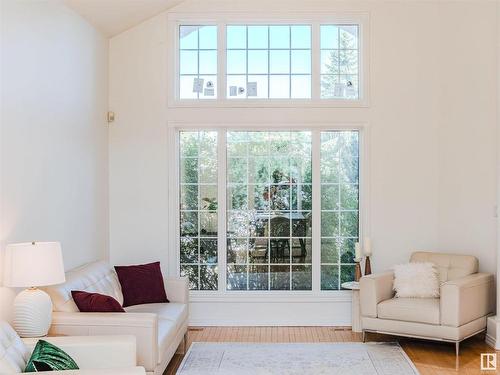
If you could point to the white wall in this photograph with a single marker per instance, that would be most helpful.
(498, 157)
(138, 180)
(432, 124)
(468, 132)
(54, 159)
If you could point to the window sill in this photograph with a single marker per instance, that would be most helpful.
(268, 103)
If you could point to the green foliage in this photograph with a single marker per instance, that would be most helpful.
(301, 277)
(340, 200)
(341, 61)
(329, 277)
(208, 277)
(269, 174)
(236, 277)
(346, 273)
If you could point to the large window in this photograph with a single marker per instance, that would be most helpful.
(339, 207)
(198, 209)
(269, 211)
(267, 242)
(308, 61)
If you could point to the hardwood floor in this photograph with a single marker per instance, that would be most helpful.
(431, 358)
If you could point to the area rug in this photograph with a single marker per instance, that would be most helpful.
(296, 359)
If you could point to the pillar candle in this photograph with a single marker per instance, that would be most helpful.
(368, 247)
(357, 252)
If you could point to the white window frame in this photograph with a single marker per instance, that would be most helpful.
(314, 19)
(223, 295)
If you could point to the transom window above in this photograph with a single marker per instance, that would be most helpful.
(198, 62)
(268, 61)
(339, 61)
(312, 61)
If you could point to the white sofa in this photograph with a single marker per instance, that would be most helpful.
(104, 355)
(158, 327)
(466, 299)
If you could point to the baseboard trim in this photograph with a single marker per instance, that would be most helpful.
(264, 323)
(490, 340)
(270, 314)
(492, 330)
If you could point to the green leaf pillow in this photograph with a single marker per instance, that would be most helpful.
(48, 357)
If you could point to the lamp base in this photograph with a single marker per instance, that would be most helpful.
(32, 313)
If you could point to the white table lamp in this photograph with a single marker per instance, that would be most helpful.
(30, 265)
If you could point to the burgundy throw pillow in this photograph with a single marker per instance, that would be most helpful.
(95, 302)
(141, 284)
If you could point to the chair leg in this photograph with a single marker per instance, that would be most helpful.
(457, 348)
(184, 343)
(364, 336)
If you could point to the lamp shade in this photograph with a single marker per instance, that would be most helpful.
(33, 264)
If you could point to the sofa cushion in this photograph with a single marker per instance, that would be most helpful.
(95, 302)
(167, 330)
(450, 266)
(13, 352)
(176, 312)
(141, 284)
(96, 277)
(419, 310)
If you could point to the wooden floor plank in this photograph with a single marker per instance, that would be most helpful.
(430, 358)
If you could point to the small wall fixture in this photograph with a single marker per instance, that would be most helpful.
(111, 116)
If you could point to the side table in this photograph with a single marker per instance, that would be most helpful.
(356, 314)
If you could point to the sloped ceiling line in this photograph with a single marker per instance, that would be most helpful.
(112, 17)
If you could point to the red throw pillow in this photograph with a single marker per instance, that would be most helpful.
(95, 302)
(141, 284)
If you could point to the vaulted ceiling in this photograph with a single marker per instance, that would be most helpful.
(114, 16)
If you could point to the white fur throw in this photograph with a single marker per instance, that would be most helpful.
(420, 280)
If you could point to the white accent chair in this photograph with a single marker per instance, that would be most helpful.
(158, 327)
(466, 299)
(104, 355)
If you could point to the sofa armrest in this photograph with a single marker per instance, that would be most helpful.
(373, 290)
(177, 289)
(144, 326)
(95, 352)
(466, 299)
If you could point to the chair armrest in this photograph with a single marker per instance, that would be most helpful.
(466, 299)
(144, 326)
(177, 289)
(374, 289)
(117, 371)
(95, 352)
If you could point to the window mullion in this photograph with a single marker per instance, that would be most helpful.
(176, 201)
(316, 62)
(316, 211)
(221, 62)
(198, 74)
(246, 63)
(290, 62)
(221, 209)
(198, 193)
